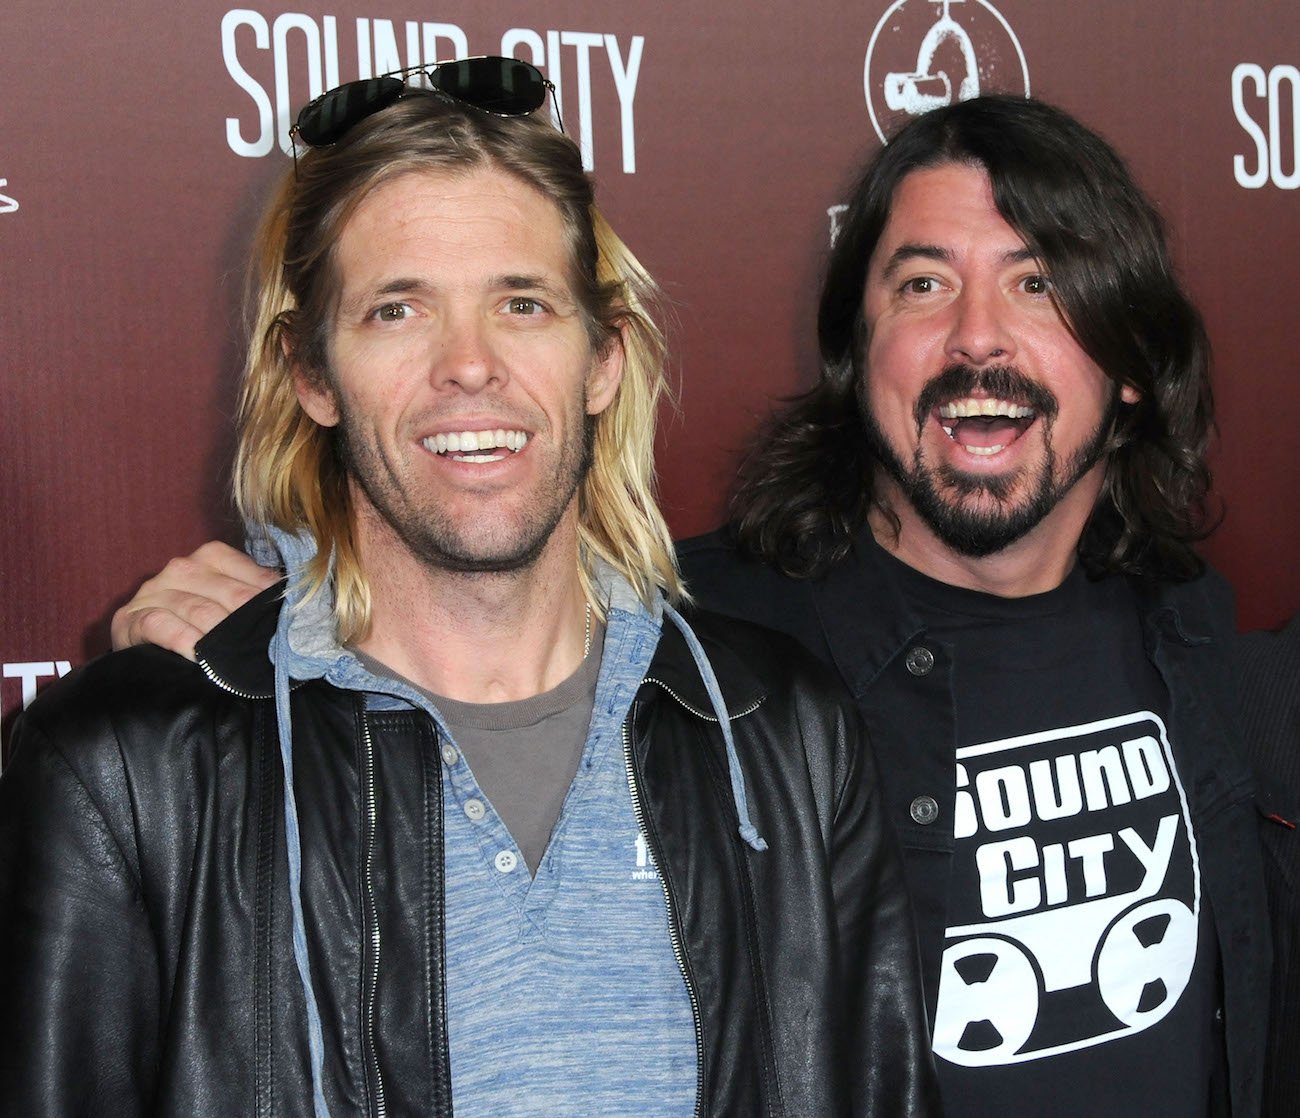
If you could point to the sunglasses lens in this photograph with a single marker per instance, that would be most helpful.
(497, 85)
(327, 118)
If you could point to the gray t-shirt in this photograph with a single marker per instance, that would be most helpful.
(524, 753)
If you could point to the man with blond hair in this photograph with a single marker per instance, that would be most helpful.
(464, 809)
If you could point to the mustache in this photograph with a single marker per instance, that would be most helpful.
(1001, 382)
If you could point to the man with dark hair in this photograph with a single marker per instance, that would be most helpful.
(982, 516)
(465, 811)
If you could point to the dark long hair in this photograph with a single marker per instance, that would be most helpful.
(806, 490)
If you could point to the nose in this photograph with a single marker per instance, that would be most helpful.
(980, 331)
(466, 358)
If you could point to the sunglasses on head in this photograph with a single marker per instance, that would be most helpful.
(501, 86)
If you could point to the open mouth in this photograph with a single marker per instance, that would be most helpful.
(984, 426)
(477, 446)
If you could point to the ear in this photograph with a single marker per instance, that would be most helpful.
(605, 374)
(314, 393)
(1128, 394)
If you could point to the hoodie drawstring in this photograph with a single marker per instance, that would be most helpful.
(315, 1037)
(748, 831)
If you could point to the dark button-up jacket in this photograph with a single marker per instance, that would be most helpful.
(856, 619)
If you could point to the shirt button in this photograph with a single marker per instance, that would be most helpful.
(449, 754)
(475, 809)
(506, 861)
(920, 660)
(925, 810)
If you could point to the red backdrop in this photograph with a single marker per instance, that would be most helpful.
(138, 140)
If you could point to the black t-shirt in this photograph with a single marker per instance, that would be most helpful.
(1079, 972)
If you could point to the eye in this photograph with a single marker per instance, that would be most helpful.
(522, 304)
(919, 285)
(1036, 285)
(391, 312)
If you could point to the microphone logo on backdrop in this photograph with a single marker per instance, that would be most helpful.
(924, 54)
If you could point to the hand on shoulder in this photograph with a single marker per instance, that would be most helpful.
(188, 597)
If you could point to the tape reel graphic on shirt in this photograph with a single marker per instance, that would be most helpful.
(988, 1002)
(1145, 961)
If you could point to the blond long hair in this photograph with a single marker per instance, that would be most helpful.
(288, 470)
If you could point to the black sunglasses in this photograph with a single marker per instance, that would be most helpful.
(501, 86)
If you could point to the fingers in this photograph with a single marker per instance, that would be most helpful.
(189, 596)
(155, 625)
(217, 559)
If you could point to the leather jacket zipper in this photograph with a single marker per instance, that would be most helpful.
(674, 925)
(211, 672)
(370, 925)
(706, 715)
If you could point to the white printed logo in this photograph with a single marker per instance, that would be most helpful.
(646, 870)
(925, 54)
(7, 204)
(1087, 892)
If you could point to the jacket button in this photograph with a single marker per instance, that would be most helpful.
(920, 660)
(925, 810)
(449, 754)
(506, 861)
(475, 809)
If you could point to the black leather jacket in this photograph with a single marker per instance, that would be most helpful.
(145, 961)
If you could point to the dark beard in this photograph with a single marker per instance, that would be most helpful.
(940, 495)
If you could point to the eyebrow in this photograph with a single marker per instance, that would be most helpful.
(406, 285)
(913, 250)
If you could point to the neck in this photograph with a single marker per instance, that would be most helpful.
(1037, 562)
(482, 637)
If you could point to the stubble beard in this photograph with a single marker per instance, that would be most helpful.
(977, 515)
(434, 537)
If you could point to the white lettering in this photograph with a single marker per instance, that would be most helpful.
(999, 895)
(265, 137)
(29, 672)
(7, 204)
(1277, 143)
(1004, 797)
(964, 823)
(1103, 778)
(584, 41)
(625, 82)
(1047, 802)
(1144, 761)
(1274, 146)
(836, 214)
(434, 33)
(386, 56)
(1091, 852)
(1155, 858)
(1060, 787)
(315, 45)
(1054, 880)
(284, 102)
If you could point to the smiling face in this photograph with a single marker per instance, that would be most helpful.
(988, 417)
(461, 373)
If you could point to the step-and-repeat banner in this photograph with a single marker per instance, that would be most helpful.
(138, 141)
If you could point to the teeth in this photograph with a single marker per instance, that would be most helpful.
(983, 449)
(466, 442)
(964, 409)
